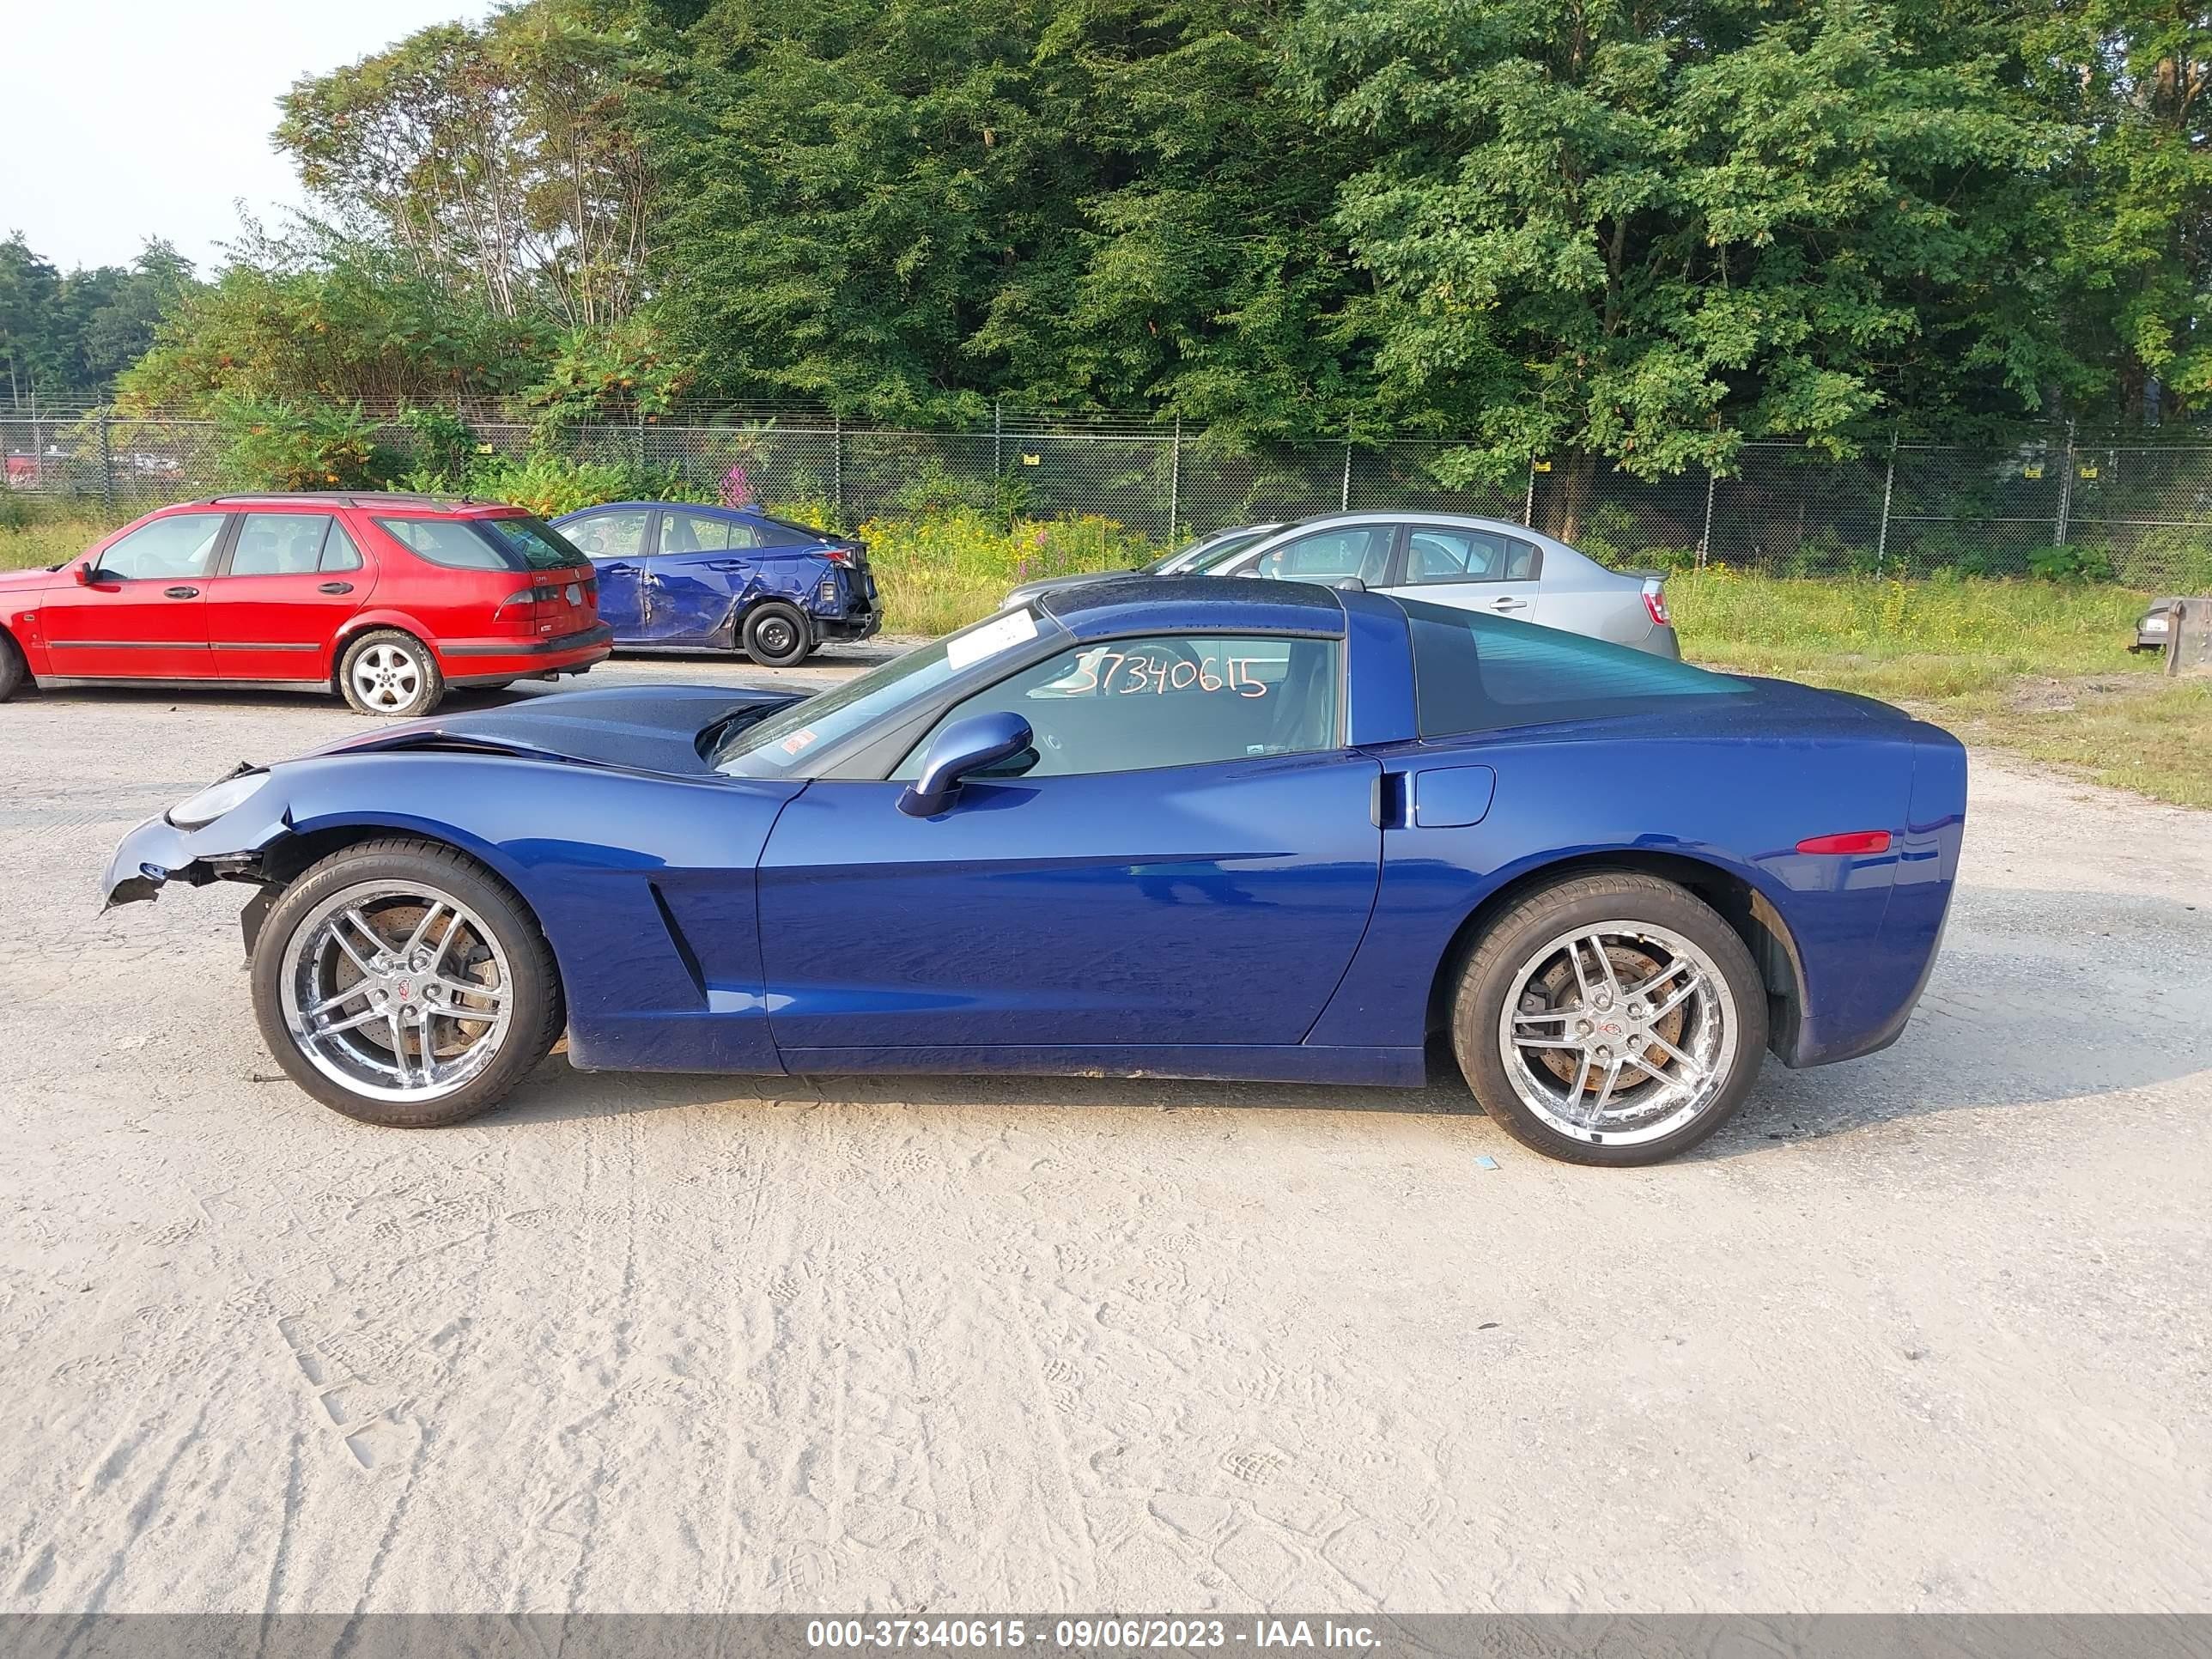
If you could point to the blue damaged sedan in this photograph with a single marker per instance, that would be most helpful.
(678, 577)
(1233, 828)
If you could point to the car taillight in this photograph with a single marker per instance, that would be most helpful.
(1655, 601)
(847, 557)
(526, 605)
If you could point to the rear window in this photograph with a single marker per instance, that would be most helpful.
(1477, 673)
(485, 543)
(784, 532)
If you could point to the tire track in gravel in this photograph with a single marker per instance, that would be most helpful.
(624, 1321)
(775, 1167)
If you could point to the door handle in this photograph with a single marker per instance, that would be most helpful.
(181, 593)
(335, 587)
(1508, 604)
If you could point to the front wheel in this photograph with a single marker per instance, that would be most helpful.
(1614, 1018)
(400, 982)
(776, 635)
(13, 671)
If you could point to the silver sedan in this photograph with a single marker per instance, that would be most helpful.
(1472, 564)
(1184, 561)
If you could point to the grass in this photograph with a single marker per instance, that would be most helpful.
(2039, 668)
(43, 539)
(940, 573)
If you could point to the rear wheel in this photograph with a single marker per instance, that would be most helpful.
(400, 982)
(1614, 1018)
(776, 635)
(12, 672)
(389, 672)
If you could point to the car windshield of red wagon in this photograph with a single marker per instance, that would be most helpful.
(520, 543)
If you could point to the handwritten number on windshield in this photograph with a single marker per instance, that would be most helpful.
(1115, 673)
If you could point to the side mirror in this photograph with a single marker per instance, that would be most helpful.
(961, 748)
(1351, 585)
(85, 573)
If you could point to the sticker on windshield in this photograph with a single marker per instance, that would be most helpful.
(1002, 634)
(797, 741)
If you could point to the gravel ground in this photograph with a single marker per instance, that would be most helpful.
(1926, 1331)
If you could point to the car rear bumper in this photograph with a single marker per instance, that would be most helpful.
(854, 625)
(510, 659)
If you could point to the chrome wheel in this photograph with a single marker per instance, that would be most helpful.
(1619, 1033)
(395, 991)
(387, 678)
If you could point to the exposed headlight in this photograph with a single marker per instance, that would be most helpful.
(212, 802)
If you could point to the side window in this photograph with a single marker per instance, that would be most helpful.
(609, 535)
(697, 533)
(279, 544)
(1478, 674)
(180, 545)
(446, 542)
(339, 552)
(1166, 700)
(1437, 555)
(1330, 556)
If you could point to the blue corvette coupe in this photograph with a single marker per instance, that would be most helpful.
(674, 575)
(1222, 829)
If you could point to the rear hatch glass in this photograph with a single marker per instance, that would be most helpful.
(519, 543)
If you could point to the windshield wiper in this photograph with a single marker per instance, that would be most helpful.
(716, 734)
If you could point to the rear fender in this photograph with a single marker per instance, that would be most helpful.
(368, 620)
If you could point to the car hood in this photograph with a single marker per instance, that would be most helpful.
(15, 581)
(637, 727)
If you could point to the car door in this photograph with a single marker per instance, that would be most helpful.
(280, 595)
(618, 541)
(701, 570)
(142, 615)
(1472, 569)
(1188, 856)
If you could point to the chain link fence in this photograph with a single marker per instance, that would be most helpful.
(2138, 513)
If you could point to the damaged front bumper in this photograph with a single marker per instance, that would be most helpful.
(158, 852)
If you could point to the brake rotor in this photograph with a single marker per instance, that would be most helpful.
(1561, 991)
(472, 960)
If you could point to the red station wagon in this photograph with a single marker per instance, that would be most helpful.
(387, 599)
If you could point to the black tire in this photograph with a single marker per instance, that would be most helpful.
(539, 1013)
(12, 670)
(776, 635)
(390, 674)
(1517, 941)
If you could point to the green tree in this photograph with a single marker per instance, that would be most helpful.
(30, 343)
(1649, 232)
(2133, 231)
(63, 339)
(314, 317)
(904, 209)
(498, 158)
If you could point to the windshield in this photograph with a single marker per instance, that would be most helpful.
(1202, 551)
(486, 544)
(1209, 561)
(772, 747)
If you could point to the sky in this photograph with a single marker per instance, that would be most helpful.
(134, 119)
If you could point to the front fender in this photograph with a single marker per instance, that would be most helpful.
(641, 883)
